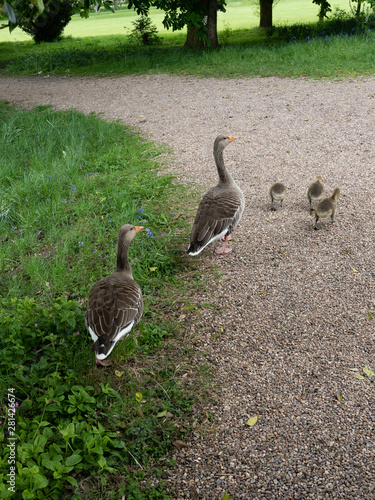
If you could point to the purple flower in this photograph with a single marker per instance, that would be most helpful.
(141, 211)
(80, 243)
(150, 234)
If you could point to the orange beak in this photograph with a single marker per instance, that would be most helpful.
(138, 228)
(232, 138)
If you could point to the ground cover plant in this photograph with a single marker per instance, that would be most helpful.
(68, 182)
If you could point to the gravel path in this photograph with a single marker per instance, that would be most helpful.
(290, 326)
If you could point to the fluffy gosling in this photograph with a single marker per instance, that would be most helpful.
(315, 191)
(326, 208)
(277, 193)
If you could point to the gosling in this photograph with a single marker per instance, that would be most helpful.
(277, 193)
(326, 208)
(315, 191)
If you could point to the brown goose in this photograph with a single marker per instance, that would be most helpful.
(277, 193)
(115, 303)
(326, 208)
(315, 191)
(220, 209)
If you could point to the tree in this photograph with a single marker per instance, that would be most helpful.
(199, 16)
(325, 7)
(49, 25)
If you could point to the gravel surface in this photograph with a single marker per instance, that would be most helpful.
(290, 327)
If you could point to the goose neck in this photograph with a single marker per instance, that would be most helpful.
(224, 175)
(123, 265)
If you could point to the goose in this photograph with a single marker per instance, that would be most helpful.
(326, 208)
(220, 209)
(315, 191)
(277, 193)
(115, 303)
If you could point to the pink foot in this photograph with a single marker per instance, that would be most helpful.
(222, 250)
(228, 238)
(103, 363)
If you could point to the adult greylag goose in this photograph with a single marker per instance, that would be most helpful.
(115, 303)
(277, 193)
(326, 208)
(315, 191)
(220, 209)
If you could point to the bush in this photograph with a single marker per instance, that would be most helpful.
(49, 26)
(340, 23)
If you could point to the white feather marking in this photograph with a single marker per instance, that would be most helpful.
(214, 238)
(119, 336)
(93, 334)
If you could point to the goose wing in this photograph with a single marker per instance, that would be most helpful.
(218, 214)
(114, 307)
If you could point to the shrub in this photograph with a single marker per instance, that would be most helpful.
(144, 32)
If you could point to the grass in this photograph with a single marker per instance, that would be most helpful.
(330, 49)
(68, 181)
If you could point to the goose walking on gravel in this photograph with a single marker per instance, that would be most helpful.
(326, 208)
(315, 191)
(115, 303)
(220, 209)
(277, 193)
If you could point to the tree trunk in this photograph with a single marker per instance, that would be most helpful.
(115, 4)
(212, 24)
(265, 13)
(210, 20)
(359, 3)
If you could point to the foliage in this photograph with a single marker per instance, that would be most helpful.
(66, 429)
(144, 32)
(29, 12)
(49, 25)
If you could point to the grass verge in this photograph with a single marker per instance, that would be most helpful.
(68, 181)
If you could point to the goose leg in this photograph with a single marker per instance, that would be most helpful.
(224, 249)
(103, 363)
(229, 237)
